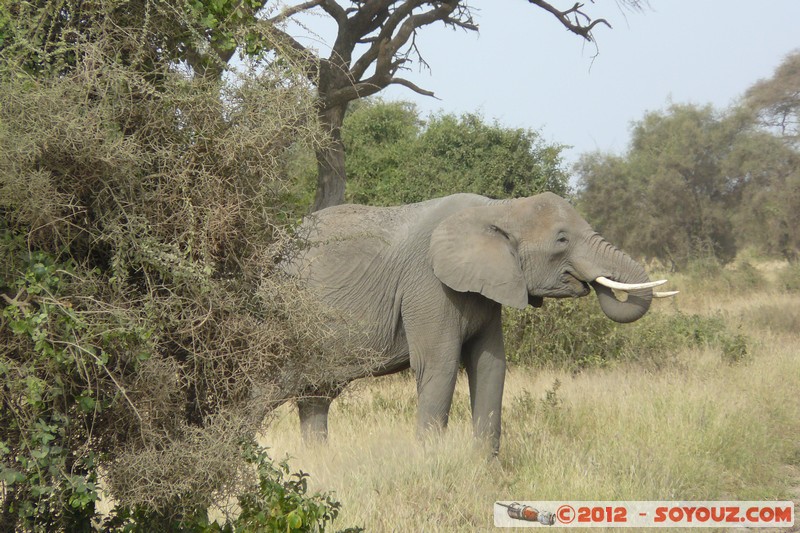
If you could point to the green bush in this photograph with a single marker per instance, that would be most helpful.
(394, 157)
(55, 393)
(280, 502)
(574, 333)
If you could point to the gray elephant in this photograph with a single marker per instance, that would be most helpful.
(427, 282)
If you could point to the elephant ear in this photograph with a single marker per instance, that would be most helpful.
(470, 253)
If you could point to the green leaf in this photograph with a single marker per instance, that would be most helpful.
(294, 520)
(209, 21)
(86, 403)
(40, 453)
(9, 476)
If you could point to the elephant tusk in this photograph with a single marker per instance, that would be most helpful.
(666, 294)
(611, 284)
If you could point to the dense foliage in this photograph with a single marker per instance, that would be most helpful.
(143, 331)
(698, 183)
(394, 156)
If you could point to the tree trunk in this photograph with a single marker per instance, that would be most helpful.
(330, 160)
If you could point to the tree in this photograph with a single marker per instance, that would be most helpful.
(381, 139)
(770, 213)
(670, 196)
(608, 182)
(375, 40)
(775, 102)
(697, 182)
(465, 154)
(396, 157)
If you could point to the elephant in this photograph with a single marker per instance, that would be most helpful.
(427, 281)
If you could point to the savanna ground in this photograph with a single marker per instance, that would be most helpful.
(704, 426)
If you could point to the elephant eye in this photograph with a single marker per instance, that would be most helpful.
(562, 239)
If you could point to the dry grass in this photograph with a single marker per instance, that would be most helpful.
(702, 429)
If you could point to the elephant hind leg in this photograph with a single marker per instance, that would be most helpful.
(313, 412)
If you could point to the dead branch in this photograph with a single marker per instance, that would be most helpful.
(577, 27)
(412, 86)
(289, 12)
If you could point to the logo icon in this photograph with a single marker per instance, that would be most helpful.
(517, 511)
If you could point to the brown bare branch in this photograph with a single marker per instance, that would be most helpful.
(467, 25)
(386, 46)
(308, 60)
(412, 86)
(389, 50)
(369, 16)
(441, 12)
(371, 86)
(576, 27)
(388, 26)
(294, 10)
(334, 10)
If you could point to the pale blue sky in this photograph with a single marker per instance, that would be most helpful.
(525, 70)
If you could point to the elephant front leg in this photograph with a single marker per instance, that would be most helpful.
(435, 395)
(485, 362)
(435, 362)
(313, 412)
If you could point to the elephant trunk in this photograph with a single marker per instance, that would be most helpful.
(633, 308)
(616, 265)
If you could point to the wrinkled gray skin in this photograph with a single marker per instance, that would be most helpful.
(427, 281)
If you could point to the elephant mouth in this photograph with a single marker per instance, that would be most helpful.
(567, 286)
(575, 287)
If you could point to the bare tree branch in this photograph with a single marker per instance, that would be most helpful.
(388, 27)
(387, 31)
(353, 92)
(584, 30)
(308, 59)
(441, 12)
(370, 16)
(413, 48)
(412, 86)
(467, 25)
(334, 10)
(386, 47)
(371, 86)
(294, 10)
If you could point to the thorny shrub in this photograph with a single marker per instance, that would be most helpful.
(276, 499)
(144, 330)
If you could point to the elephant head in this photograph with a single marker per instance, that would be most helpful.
(517, 252)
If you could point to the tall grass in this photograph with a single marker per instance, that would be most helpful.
(699, 428)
